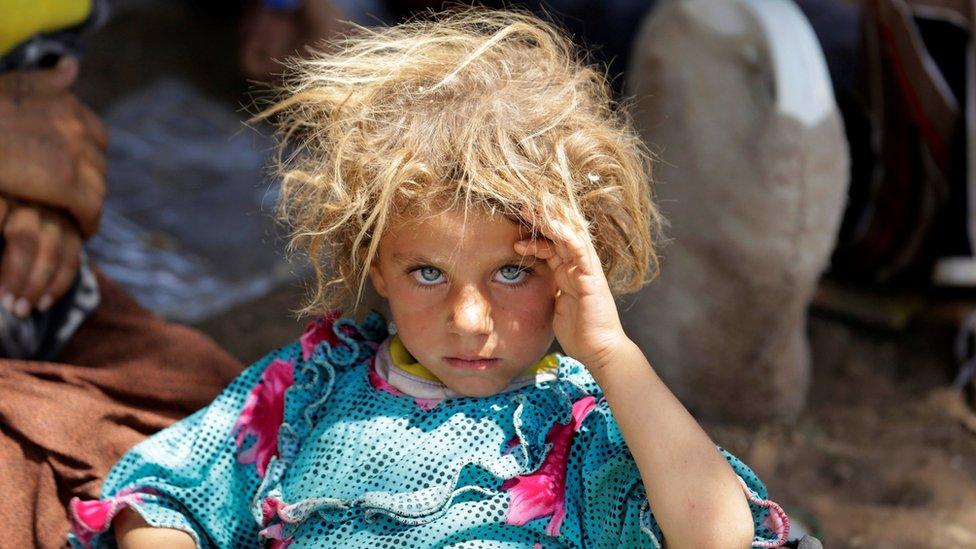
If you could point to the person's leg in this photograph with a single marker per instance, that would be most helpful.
(25, 482)
(137, 358)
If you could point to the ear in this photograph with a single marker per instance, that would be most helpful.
(376, 277)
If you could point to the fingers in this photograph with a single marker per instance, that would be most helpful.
(79, 190)
(47, 257)
(94, 157)
(66, 272)
(41, 258)
(20, 235)
(94, 127)
(543, 248)
(44, 175)
(62, 76)
(561, 244)
(578, 242)
(86, 208)
(24, 84)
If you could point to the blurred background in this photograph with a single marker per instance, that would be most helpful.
(815, 160)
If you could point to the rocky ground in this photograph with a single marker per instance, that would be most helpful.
(885, 455)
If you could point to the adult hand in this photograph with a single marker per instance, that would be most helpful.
(41, 256)
(52, 147)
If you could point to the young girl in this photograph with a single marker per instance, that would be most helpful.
(475, 171)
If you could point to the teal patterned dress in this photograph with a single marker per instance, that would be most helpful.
(309, 448)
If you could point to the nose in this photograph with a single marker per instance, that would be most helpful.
(470, 312)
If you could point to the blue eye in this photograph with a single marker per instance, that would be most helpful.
(427, 276)
(512, 274)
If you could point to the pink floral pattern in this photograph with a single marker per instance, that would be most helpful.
(276, 533)
(543, 493)
(89, 518)
(271, 509)
(319, 330)
(262, 415)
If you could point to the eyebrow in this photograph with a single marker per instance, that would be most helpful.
(412, 258)
(415, 259)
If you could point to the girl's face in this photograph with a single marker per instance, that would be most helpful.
(466, 305)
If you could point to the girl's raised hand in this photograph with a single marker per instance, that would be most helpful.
(585, 321)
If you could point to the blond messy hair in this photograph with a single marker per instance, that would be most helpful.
(472, 109)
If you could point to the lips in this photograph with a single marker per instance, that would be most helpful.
(472, 363)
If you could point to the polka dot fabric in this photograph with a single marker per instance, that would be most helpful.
(358, 467)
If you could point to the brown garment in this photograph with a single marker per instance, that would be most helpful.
(126, 374)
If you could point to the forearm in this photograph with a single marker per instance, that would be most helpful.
(695, 496)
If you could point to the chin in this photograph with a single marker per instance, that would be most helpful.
(482, 388)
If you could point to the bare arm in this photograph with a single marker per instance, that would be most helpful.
(695, 496)
(132, 532)
(692, 490)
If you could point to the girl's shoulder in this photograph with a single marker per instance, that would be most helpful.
(330, 340)
(341, 341)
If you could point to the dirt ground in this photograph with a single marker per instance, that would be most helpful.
(883, 457)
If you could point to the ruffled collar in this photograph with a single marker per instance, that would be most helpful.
(333, 345)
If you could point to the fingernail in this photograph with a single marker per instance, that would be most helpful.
(22, 308)
(8, 302)
(44, 303)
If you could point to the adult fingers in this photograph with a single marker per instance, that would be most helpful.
(95, 157)
(24, 84)
(20, 235)
(66, 271)
(94, 126)
(55, 172)
(88, 210)
(62, 76)
(47, 257)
